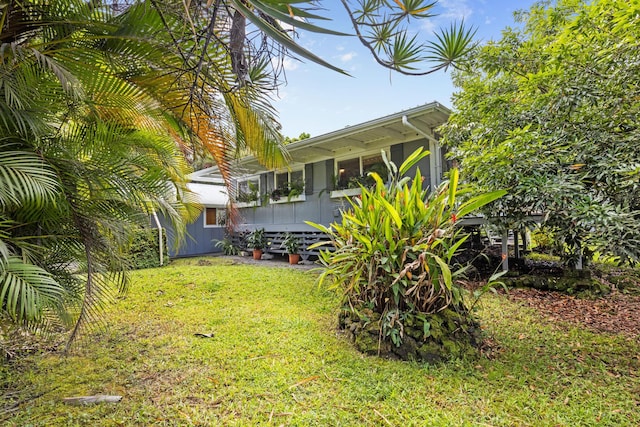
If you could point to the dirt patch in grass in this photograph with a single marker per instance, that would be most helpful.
(616, 313)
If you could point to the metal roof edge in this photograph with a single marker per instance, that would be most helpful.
(371, 124)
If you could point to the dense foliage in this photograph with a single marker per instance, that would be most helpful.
(550, 111)
(144, 249)
(392, 254)
(97, 109)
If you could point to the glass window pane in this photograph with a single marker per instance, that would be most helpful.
(282, 180)
(297, 180)
(247, 190)
(348, 171)
(374, 164)
(221, 217)
(210, 216)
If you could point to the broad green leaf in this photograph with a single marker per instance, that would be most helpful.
(452, 250)
(393, 212)
(444, 269)
(453, 186)
(320, 227)
(479, 201)
(413, 158)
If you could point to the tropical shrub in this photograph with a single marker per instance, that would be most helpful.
(550, 112)
(392, 263)
(256, 239)
(227, 246)
(143, 251)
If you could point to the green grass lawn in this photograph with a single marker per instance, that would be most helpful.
(276, 358)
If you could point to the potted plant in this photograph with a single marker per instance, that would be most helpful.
(257, 241)
(289, 190)
(291, 243)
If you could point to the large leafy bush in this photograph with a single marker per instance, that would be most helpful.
(550, 111)
(392, 257)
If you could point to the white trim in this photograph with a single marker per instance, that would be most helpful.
(288, 172)
(160, 241)
(204, 218)
(247, 178)
(432, 113)
(347, 192)
(359, 156)
(283, 199)
(210, 175)
(248, 204)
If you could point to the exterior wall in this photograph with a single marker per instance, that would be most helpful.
(199, 240)
(319, 206)
(424, 164)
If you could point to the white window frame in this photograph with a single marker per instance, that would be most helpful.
(348, 192)
(217, 224)
(288, 172)
(284, 199)
(255, 178)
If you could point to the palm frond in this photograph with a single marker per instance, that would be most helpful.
(27, 290)
(453, 44)
(25, 179)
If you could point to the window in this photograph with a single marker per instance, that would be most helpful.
(248, 190)
(352, 172)
(215, 217)
(288, 185)
(374, 164)
(348, 172)
(292, 179)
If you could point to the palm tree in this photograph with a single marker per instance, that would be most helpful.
(85, 155)
(97, 107)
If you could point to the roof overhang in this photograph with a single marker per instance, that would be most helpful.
(408, 125)
(374, 134)
(209, 175)
(210, 195)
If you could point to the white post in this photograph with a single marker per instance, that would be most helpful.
(160, 245)
(505, 250)
(579, 265)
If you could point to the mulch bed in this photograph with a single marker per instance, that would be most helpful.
(615, 313)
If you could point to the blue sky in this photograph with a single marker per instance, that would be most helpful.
(318, 100)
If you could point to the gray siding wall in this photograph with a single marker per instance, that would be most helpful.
(318, 207)
(199, 240)
(424, 164)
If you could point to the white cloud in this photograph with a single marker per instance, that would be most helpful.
(455, 9)
(290, 64)
(429, 25)
(348, 56)
(447, 11)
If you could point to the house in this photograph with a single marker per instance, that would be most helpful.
(326, 169)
